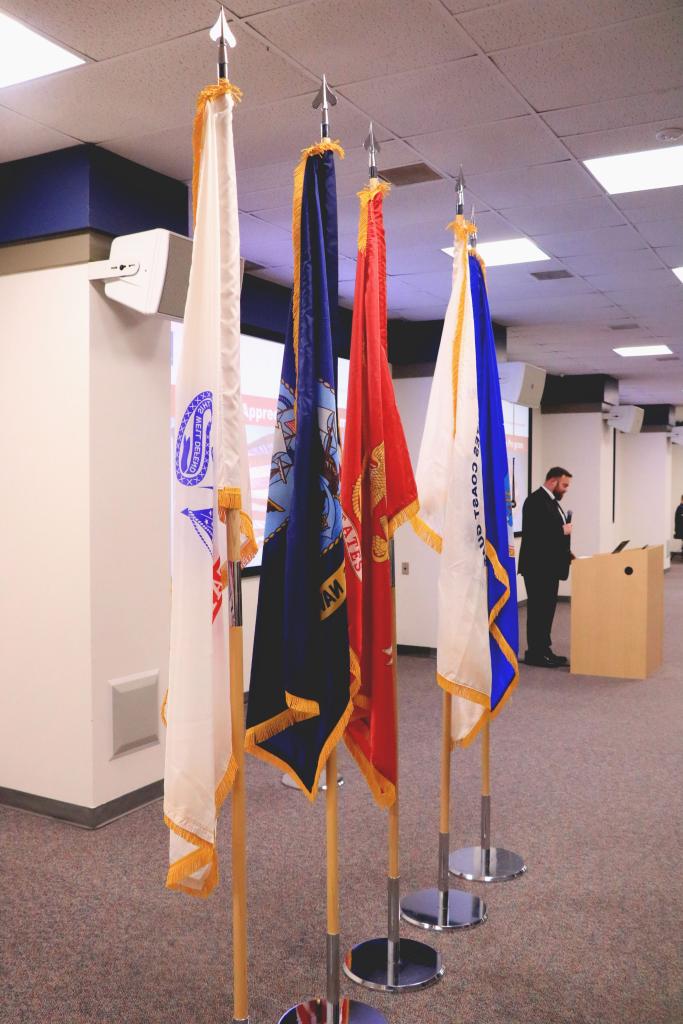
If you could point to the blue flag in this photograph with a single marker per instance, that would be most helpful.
(500, 554)
(299, 697)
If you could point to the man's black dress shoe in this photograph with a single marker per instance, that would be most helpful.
(541, 660)
(559, 659)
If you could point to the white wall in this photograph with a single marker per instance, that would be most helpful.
(45, 695)
(644, 489)
(85, 577)
(129, 524)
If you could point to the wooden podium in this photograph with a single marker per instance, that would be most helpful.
(617, 613)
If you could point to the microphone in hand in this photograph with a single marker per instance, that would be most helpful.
(568, 515)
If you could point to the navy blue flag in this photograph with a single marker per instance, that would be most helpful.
(299, 699)
(500, 552)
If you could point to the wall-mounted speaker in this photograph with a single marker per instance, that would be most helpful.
(626, 418)
(521, 383)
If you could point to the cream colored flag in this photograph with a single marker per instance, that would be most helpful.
(211, 476)
(451, 519)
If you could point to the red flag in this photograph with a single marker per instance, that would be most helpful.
(378, 493)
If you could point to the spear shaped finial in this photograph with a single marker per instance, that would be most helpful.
(373, 147)
(221, 34)
(460, 189)
(473, 233)
(324, 99)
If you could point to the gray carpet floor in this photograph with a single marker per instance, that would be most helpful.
(586, 777)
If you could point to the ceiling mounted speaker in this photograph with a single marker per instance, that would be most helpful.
(626, 418)
(521, 383)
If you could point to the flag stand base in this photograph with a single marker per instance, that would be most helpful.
(289, 782)
(372, 965)
(319, 1011)
(486, 865)
(443, 910)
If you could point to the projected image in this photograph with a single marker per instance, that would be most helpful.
(516, 420)
(260, 365)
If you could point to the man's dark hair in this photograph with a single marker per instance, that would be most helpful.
(556, 471)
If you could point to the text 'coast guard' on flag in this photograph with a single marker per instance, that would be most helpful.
(299, 701)
(378, 494)
(463, 491)
(210, 477)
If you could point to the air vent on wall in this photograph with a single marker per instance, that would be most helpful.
(551, 275)
(667, 359)
(624, 327)
(411, 174)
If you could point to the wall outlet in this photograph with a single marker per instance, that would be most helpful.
(405, 568)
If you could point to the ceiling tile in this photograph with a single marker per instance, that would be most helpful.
(582, 213)
(672, 254)
(611, 62)
(101, 30)
(516, 142)
(652, 204)
(257, 238)
(168, 151)
(601, 240)
(243, 8)
(661, 232)
(633, 139)
(646, 282)
(459, 6)
(21, 137)
(406, 259)
(461, 93)
(350, 42)
(153, 88)
(612, 261)
(542, 183)
(521, 22)
(607, 114)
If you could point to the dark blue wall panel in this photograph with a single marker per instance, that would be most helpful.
(83, 188)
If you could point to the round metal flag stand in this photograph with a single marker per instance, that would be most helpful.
(333, 1009)
(393, 964)
(486, 863)
(289, 782)
(444, 909)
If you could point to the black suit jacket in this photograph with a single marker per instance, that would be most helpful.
(545, 549)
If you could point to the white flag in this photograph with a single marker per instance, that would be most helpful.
(451, 518)
(211, 475)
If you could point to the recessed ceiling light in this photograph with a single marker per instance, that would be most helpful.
(635, 172)
(25, 55)
(502, 254)
(678, 271)
(644, 350)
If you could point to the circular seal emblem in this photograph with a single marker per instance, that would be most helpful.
(193, 443)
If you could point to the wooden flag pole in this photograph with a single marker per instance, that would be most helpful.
(239, 791)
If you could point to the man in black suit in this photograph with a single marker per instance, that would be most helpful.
(544, 559)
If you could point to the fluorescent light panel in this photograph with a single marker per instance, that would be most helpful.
(25, 55)
(644, 350)
(636, 172)
(678, 271)
(503, 254)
